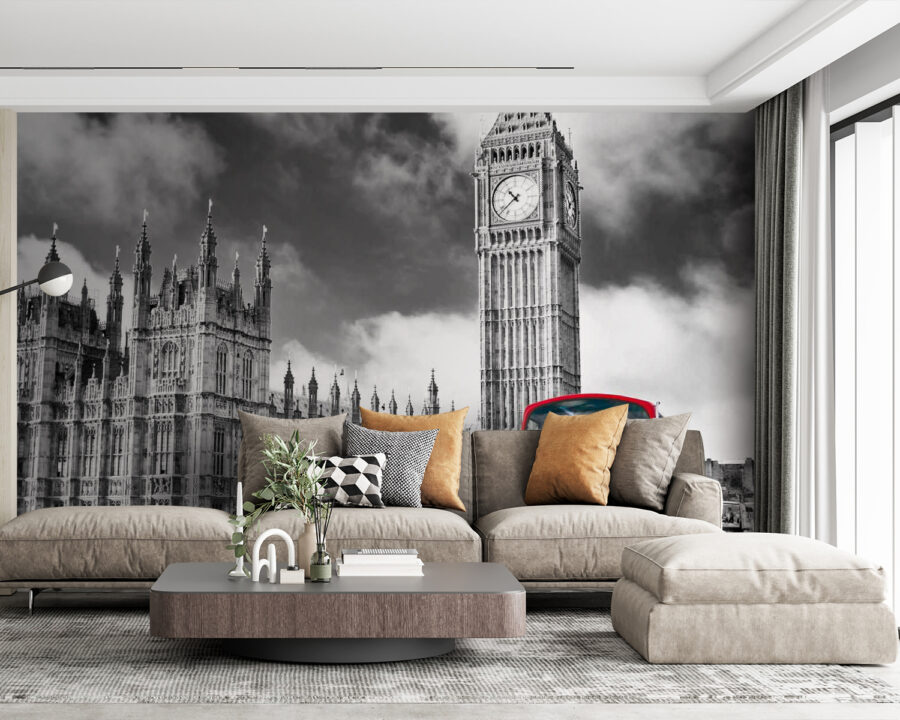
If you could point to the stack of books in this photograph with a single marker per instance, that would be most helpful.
(380, 563)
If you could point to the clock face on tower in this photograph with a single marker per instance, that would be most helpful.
(570, 205)
(515, 198)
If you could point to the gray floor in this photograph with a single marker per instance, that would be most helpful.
(889, 673)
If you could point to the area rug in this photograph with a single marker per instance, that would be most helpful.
(568, 656)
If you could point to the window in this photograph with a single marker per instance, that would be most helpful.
(118, 459)
(221, 369)
(163, 447)
(866, 223)
(169, 360)
(61, 465)
(89, 449)
(247, 377)
(219, 451)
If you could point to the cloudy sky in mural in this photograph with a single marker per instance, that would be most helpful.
(370, 233)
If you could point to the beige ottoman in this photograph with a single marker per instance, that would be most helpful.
(752, 598)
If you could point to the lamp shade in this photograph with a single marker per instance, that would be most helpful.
(55, 279)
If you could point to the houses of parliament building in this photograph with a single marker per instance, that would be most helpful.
(151, 416)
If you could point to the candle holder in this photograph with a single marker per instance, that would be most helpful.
(237, 538)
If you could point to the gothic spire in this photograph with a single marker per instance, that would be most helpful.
(288, 391)
(375, 401)
(432, 404)
(53, 255)
(208, 262)
(236, 281)
(142, 275)
(355, 398)
(392, 404)
(115, 280)
(262, 259)
(142, 250)
(263, 283)
(335, 395)
(313, 396)
(409, 406)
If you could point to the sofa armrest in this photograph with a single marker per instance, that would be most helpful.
(695, 496)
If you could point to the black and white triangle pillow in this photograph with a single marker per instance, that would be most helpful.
(354, 480)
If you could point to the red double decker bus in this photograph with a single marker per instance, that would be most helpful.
(583, 404)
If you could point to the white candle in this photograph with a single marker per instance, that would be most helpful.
(240, 499)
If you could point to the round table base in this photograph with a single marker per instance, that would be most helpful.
(339, 650)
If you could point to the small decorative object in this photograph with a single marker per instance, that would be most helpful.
(292, 482)
(320, 562)
(237, 538)
(292, 575)
(270, 563)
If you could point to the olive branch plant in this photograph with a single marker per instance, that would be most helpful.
(293, 474)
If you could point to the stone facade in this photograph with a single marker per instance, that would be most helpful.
(528, 242)
(150, 416)
(153, 420)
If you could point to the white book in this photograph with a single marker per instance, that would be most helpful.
(381, 557)
(344, 570)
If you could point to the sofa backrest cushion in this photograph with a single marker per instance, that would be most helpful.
(503, 460)
(467, 479)
(693, 457)
(328, 433)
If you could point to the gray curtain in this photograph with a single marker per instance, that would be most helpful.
(779, 131)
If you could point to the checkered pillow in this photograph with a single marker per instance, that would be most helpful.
(354, 480)
(407, 457)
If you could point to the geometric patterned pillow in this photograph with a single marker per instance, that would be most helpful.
(354, 480)
(407, 455)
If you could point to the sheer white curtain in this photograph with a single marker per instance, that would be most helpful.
(866, 159)
(816, 491)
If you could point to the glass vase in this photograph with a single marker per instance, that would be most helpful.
(320, 565)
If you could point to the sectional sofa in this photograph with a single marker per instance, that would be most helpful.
(546, 546)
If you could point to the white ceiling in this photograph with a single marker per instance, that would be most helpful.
(421, 54)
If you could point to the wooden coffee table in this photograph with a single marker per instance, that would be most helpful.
(351, 620)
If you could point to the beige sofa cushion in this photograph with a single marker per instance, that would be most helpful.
(440, 486)
(573, 542)
(845, 633)
(751, 568)
(573, 457)
(645, 460)
(438, 535)
(503, 460)
(327, 432)
(110, 543)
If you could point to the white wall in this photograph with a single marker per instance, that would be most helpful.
(865, 77)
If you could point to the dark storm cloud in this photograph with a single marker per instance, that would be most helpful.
(383, 201)
(369, 214)
(663, 194)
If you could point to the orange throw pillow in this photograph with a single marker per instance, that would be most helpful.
(440, 487)
(573, 457)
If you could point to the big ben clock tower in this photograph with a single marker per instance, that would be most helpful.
(528, 241)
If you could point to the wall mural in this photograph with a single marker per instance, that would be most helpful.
(611, 252)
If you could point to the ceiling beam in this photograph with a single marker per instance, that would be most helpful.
(811, 38)
(222, 90)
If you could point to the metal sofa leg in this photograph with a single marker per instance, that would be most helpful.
(32, 594)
